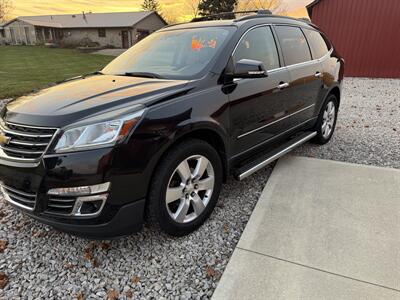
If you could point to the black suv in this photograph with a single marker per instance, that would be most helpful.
(155, 134)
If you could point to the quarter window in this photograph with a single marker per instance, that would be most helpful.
(318, 44)
(258, 44)
(294, 45)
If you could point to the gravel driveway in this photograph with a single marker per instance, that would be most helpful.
(40, 262)
(368, 128)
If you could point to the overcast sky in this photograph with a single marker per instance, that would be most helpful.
(38, 7)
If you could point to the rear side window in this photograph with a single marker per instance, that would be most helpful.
(258, 44)
(294, 45)
(317, 43)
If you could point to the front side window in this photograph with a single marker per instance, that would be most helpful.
(317, 43)
(258, 44)
(294, 45)
(174, 54)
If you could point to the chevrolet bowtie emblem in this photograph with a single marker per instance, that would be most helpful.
(4, 140)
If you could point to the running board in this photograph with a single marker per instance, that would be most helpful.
(258, 164)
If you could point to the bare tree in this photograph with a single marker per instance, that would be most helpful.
(5, 8)
(193, 7)
(276, 6)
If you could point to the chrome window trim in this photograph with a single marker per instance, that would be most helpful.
(274, 122)
(312, 61)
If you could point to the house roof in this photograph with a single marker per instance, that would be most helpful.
(88, 20)
(311, 6)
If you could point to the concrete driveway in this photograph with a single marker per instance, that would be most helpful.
(321, 230)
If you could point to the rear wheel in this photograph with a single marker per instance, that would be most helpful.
(185, 187)
(327, 120)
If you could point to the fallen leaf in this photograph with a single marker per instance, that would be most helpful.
(112, 295)
(226, 228)
(68, 266)
(135, 279)
(3, 245)
(3, 280)
(105, 246)
(95, 263)
(210, 272)
(129, 294)
(366, 126)
(80, 296)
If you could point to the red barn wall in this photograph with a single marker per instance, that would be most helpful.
(365, 32)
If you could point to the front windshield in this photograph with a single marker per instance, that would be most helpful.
(175, 54)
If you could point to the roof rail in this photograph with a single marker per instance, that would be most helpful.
(232, 15)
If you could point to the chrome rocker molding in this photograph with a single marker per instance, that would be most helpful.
(276, 156)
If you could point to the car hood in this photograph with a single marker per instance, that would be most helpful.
(80, 98)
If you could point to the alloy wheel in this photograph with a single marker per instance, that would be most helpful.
(328, 120)
(190, 189)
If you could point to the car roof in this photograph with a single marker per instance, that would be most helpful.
(244, 21)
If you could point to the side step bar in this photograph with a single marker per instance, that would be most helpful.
(254, 166)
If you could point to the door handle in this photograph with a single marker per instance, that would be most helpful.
(319, 75)
(283, 85)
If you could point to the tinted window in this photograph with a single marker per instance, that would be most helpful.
(317, 43)
(294, 45)
(258, 44)
(174, 54)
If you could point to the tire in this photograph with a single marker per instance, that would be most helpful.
(180, 176)
(326, 122)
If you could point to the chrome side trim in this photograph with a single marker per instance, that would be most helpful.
(274, 122)
(276, 156)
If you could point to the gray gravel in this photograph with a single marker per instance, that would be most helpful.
(368, 128)
(43, 263)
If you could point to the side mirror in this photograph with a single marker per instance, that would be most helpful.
(248, 68)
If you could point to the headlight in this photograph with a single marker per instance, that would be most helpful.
(97, 135)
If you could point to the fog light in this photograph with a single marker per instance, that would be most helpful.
(89, 206)
(80, 190)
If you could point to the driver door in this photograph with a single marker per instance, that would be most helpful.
(257, 105)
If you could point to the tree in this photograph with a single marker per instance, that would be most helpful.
(209, 7)
(193, 7)
(275, 6)
(150, 5)
(5, 8)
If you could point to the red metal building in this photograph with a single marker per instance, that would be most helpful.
(365, 32)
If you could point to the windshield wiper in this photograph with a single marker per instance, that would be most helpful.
(143, 74)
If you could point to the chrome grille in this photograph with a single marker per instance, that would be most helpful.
(19, 198)
(64, 206)
(25, 142)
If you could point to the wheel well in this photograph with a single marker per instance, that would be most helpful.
(336, 92)
(211, 137)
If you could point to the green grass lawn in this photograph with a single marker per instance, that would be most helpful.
(27, 68)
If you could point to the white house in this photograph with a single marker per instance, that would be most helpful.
(120, 30)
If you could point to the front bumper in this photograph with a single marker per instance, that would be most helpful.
(121, 214)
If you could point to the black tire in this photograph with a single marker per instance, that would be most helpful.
(158, 214)
(322, 137)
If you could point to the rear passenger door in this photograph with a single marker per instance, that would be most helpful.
(306, 74)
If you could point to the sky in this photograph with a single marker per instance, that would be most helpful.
(174, 7)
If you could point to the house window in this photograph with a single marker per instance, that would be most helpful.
(2, 33)
(141, 34)
(102, 32)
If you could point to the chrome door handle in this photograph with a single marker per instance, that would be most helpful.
(319, 75)
(283, 85)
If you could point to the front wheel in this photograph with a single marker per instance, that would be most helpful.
(185, 188)
(327, 120)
